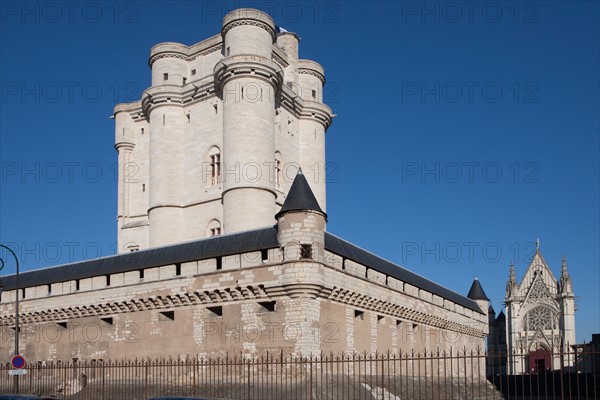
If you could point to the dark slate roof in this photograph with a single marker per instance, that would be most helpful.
(501, 316)
(300, 197)
(217, 246)
(220, 246)
(350, 251)
(476, 292)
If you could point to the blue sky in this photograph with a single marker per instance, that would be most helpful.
(463, 133)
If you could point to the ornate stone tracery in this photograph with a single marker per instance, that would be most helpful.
(538, 293)
(540, 318)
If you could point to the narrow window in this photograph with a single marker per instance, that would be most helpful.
(164, 119)
(107, 280)
(193, 72)
(219, 263)
(49, 287)
(141, 273)
(228, 51)
(264, 255)
(305, 251)
(314, 94)
(217, 310)
(77, 284)
(360, 315)
(142, 131)
(215, 231)
(165, 76)
(178, 269)
(278, 174)
(215, 169)
(184, 80)
(268, 306)
(216, 107)
(189, 118)
(143, 187)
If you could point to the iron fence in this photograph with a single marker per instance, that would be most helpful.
(389, 376)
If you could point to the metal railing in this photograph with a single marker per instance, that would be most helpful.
(389, 376)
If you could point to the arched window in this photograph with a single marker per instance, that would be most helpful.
(214, 155)
(214, 228)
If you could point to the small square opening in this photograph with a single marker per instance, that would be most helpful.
(306, 251)
(268, 306)
(216, 310)
(166, 316)
(360, 315)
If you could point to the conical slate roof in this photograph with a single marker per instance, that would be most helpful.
(476, 292)
(300, 197)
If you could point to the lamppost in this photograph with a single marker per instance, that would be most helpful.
(16, 377)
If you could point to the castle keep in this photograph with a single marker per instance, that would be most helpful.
(214, 145)
(222, 228)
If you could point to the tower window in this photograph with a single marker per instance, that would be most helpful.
(214, 228)
(142, 131)
(143, 187)
(215, 169)
(178, 269)
(219, 263)
(264, 255)
(165, 76)
(305, 251)
(193, 72)
(77, 284)
(141, 273)
(314, 94)
(277, 174)
(107, 280)
(184, 80)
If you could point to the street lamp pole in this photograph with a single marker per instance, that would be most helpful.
(16, 377)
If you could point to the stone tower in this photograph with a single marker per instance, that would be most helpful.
(214, 144)
(540, 316)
